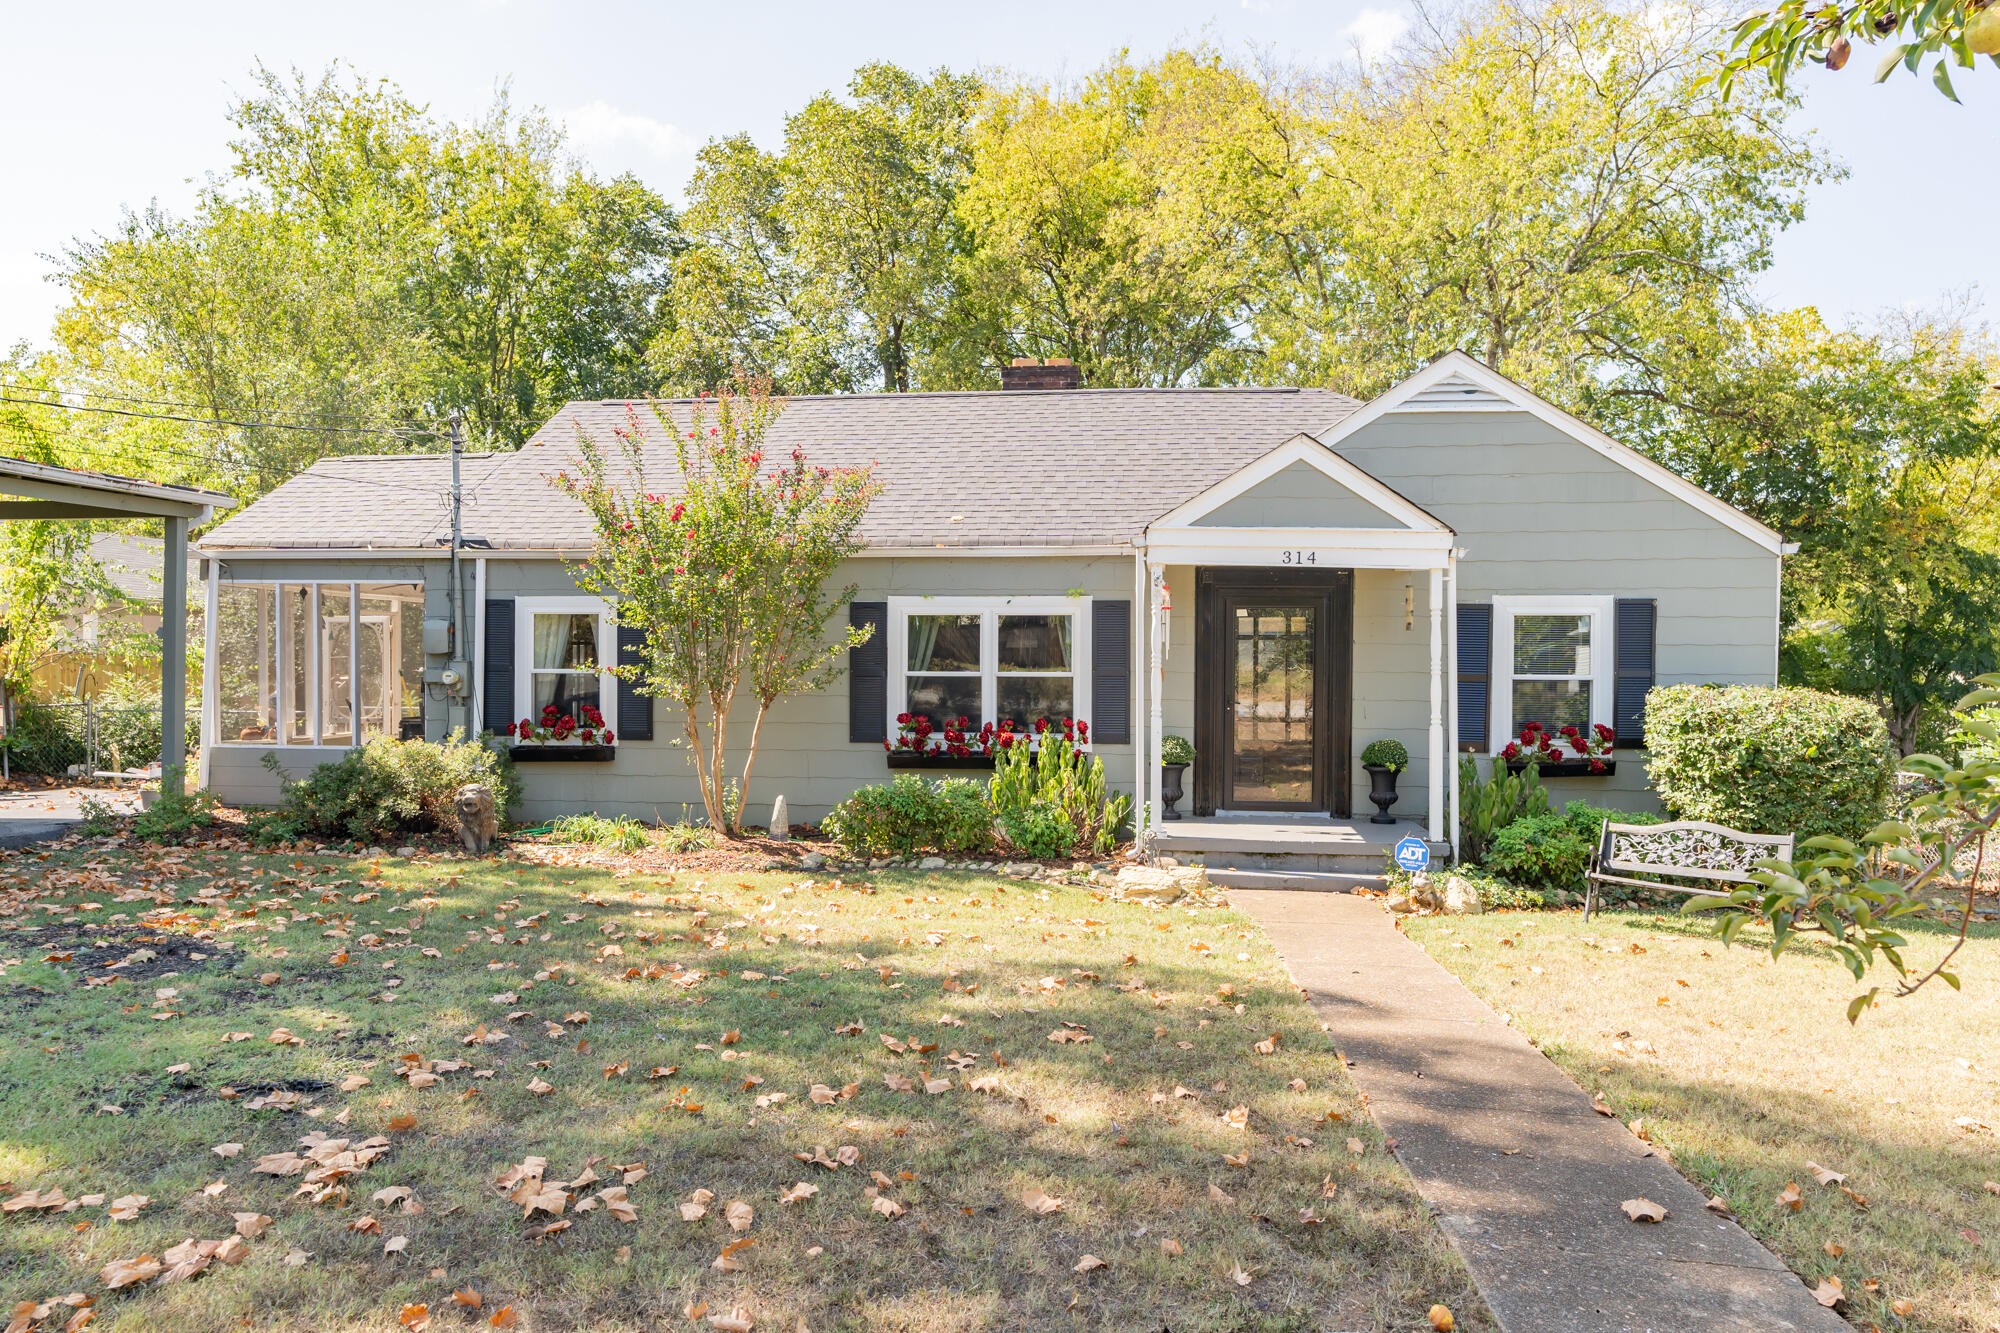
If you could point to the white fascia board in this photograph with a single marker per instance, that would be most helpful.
(1398, 399)
(1322, 548)
(1301, 448)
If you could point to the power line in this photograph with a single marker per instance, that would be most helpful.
(188, 406)
(220, 421)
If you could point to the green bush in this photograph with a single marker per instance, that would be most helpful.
(1176, 750)
(1768, 759)
(175, 816)
(1589, 820)
(623, 834)
(910, 815)
(1386, 753)
(1542, 851)
(1488, 805)
(386, 789)
(46, 739)
(1053, 801)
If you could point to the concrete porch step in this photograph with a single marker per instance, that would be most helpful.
(1308, 881)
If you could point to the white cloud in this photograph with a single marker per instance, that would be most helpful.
(1374, 32)
(602, 126)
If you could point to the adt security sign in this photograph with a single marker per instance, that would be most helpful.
(1413, 854)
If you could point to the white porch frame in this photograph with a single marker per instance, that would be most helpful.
(1418, 543)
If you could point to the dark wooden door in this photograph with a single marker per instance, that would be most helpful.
(1273, 689)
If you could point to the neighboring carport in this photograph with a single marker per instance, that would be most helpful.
(45, 491)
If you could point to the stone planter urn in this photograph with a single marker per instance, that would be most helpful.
(1382, 791)
(1170, 789)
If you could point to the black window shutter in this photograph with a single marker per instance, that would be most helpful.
(1475, 674)
(635, 707)
(868, 674)
(1635, 636)
(1111, 672)
(499, 664)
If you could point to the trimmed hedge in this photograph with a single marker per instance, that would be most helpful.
(909, 815)
(1769, 759)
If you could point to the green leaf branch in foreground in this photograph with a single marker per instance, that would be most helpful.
(1854, 895)
(1781, 39)
(723, 570)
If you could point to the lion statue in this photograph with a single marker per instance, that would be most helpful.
(478, 822)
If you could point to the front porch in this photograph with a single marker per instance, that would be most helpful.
(1260, 850)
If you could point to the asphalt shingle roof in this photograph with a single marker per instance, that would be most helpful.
(1079, 467)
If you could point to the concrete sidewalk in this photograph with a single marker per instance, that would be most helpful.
(1526, 1178)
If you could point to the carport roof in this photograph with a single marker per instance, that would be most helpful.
(44, 490)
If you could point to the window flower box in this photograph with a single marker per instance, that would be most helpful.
(559, 737)
(921, 743)
(1569, 752)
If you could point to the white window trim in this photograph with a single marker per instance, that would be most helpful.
(989, 609)
(525, 610)
(1502, 727)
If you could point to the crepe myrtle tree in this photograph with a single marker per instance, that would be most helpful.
(1854, 895)
(724, 571)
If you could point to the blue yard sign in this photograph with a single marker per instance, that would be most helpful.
(1413, 854)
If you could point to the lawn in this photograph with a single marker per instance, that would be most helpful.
(1745, 1071)
(587, 1098)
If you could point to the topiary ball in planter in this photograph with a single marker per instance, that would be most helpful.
(1384, 759)
(1176, 753)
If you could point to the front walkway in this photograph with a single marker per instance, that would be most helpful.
(1525, 1176)
(32, 815)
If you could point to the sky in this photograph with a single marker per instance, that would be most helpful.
(127, 106)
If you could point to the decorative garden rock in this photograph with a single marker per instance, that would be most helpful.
(478, 822)
(1162, 884)
(781, 821)
(1460, 897)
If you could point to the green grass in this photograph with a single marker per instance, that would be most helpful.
(1745, 1070)
(623, 834)
(747, 987)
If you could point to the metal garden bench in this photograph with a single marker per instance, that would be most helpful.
(1690, 849)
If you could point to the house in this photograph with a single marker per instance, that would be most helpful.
(1281, 575)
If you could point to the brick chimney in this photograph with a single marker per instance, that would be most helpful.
(1055, 372)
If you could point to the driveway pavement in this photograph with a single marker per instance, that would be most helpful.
(29, 817)
(1526, 1177)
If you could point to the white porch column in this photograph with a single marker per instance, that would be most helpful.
(173, 658)
(211, 687)
(1451, 695)
(1157, 609)
(1437, 754)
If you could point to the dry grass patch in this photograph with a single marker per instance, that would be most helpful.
(990, 1084)
(1745, 1071)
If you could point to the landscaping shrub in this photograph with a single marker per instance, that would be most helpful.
(1768, 759)
(1543, 851)
(623, 834)
(910, 815)
(1052, 800)
(174, 816)
(386, 789)
(46, 739)
(1489, 805)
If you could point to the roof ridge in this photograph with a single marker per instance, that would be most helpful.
(1017, 395)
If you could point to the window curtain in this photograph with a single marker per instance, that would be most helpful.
(551, 636)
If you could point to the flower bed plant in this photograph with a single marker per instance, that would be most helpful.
(918, 738)
(555, 727)
(1574, 747)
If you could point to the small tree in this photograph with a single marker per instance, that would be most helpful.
(724, 571)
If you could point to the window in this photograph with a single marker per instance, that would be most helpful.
(562, 646)
(297, 663)
(1004, 659)
(1552, 664)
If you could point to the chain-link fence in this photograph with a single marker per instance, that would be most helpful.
(81, 737)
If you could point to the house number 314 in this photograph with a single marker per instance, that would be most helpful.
(1301, 558)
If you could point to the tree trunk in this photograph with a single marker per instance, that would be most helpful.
(750, 759)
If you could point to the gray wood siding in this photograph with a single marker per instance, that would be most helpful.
(1300, 496)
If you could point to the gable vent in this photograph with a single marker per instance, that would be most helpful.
(1455, 393)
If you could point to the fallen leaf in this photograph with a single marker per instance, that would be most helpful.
(1040, 1204)
(251, 1225)
(739, 1215)
(1644, 1210)
(887, 1206)
(468, 1298)
(504, 1317)
(1789, 1196)
(736, 1321)
(1089, 1263)
(1239, 1276)
(1441, 1319)
(124, 1272)
(799, 1193)
(1829, 1292)
(1823, 1175)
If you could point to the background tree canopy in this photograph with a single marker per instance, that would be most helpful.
(1580, 193)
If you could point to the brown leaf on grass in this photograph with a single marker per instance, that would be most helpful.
(1237, 1117)
(696, 1206)
(736, 1321)
(416, 1317)
(1039, 1203)
(1269, 1046)
(1356, 1146)
(1090, 1263)
(799, 1193)
(365, 1225)
(251, 1225)
(504, 1317)
(727, 1262)
(284, 1037)
(226, 1149)
(1441, 1319)
(934, 1086)
(887, 1206)
(1823, 1175)
(395, 1244)
(124, 1272)
(1903, 1307)
(1240, 1277)
(1834, 1249)
(1217, 1194)
(1169, 1246)
(618, 1202)
(125, 1208)
(539, 1088)
(739, 1215)
(1718, 1204)
(1237, 1159)
(1789, 1196)
(1644, 1210)
(467, 1298)
(1829, 1292)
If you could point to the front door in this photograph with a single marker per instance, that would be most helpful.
(1272, 662)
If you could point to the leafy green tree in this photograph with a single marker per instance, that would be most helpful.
(828, 262)
(724, 570)
(1114, 222)
(1554, 188)
(1794, 33)
(364, 268)
(1878, 451)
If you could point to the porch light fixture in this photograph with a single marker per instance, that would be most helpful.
(1409, 608)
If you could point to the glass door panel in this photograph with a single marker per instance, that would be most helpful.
(1272, 750)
